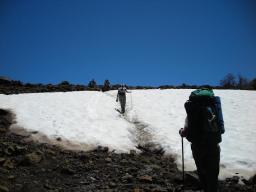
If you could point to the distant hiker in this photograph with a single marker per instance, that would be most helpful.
(203, 128)
(121, 96)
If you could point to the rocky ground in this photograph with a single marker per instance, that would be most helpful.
(28, 166)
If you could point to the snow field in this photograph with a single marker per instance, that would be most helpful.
(90, 118)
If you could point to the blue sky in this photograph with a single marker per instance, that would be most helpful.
(142, 42)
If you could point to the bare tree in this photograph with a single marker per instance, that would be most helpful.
(92, 84)
(106, 86)
(253, 84)
(243, 82)
(229, 81)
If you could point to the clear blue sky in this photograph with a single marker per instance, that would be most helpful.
(142, 42)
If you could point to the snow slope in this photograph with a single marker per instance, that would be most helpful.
(90, 118)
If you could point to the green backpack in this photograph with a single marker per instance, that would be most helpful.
(204, 92)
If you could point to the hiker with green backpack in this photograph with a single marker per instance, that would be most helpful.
(203, 128)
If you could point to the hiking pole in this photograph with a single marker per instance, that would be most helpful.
(183, 176)
(131, 101)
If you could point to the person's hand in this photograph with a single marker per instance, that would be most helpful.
(182, 132)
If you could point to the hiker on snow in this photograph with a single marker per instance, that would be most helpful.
(121, 96)
(203, 128)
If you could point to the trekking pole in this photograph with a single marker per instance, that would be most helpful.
(183, 176)
(131, 101)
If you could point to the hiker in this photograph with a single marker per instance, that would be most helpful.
(121, 96)
(203, 128)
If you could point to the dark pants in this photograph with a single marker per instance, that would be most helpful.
(207, 159)
(122, 100)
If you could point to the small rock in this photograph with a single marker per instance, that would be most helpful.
(93, 179)
(5, 143)
(155, 167)
(11, 177)
(2, 130)
(159, 189)
(124, 161)
(101, 149)
(32, 158)
(112, 184)
(67, 171)
(145, 178)
(10, 150)
(58, 139)
(3, 188)
(9, 164)
(108, 159)
(18, 186)
(82, 156)
(84, 182)
(39, 152)
(47, 186)
(146, 171)
(151, 148)
(131, 169)
(235, 179)
(127, 177)
(20, 149)
(49, 151)
(34, 132)
(2, 160)
(132, 152)
(246, 182)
